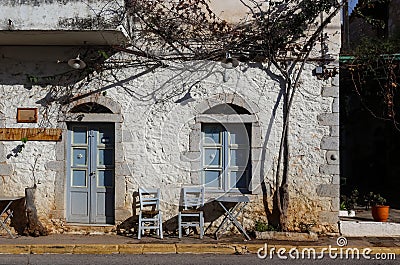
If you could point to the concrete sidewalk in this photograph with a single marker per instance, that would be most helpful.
(112, 244)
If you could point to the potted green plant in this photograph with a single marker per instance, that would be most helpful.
(348, 204)
(380, 211)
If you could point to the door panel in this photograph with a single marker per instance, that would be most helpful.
(90, 190)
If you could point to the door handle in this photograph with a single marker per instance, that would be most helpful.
(92, 174)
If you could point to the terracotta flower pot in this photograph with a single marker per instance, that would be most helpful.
(380, 213)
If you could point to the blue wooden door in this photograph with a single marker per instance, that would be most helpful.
(90, 178)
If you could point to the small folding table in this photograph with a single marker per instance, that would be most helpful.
(6, 212)
(231, 213)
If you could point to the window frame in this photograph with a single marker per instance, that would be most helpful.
(225, 166)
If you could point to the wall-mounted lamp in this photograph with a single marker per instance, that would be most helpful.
(322, 72)
(76, 63)
(228, 62)
(185, 99)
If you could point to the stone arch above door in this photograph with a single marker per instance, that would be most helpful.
(104, 110)
(110, 104)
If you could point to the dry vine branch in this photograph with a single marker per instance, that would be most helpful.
(188, 30)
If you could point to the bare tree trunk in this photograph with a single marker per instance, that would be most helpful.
(34, 227)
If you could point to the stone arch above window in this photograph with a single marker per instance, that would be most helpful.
(235, 101)
(227, 108)
(90, 107)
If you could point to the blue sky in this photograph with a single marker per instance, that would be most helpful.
(352, 4)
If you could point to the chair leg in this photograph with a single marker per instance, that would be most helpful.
(179, 225)
(140, 225)
(201, 225)
(160, 225)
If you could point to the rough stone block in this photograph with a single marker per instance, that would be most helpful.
(329, 217)
(55, 165)
(256, 154)
(122, 169)
(330, 143)
(229, 98)
(256, 136)
(328, 119)
(335, 204)
(334, 131)
(195, 178)
(332, 157)
(195, 166)
(60, 151)
(238, 100)
(57, 214)
(212, 102)
(329, 169)
(292, 236)
(2, 153)
(336, 179)
(335, 105)
(119, 154)
(190, 156)
(122, 214)
(2, 118)
(194, 140)
(335, 81)
(202, 107)
(127, 136)
(328, 190)
(330, 91)
(118, 136)
(5, 170)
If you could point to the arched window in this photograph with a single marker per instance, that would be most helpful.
(226, 149)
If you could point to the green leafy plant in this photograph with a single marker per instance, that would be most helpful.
(261, 226)
(349, 202)
(374, 199)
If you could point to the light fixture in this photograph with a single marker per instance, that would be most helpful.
(185, 99)
(319, 70)
(76, 63)
(228, 62)
(323, 73)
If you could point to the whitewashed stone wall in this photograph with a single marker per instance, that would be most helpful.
(59, 14)
(151, 150)
(155, 136)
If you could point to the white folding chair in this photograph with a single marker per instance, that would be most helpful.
(150, 215)
(191, 215)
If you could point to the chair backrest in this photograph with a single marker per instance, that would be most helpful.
(193, 197)
(149, 198)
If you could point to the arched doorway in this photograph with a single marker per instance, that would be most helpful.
(90, 168)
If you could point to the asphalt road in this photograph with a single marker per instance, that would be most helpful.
(174, 259)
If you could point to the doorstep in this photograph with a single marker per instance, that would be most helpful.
(369, 229)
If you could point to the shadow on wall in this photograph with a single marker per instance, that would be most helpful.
(19, 220)
(48, 65)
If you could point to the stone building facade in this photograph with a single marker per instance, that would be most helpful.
(126, 129)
